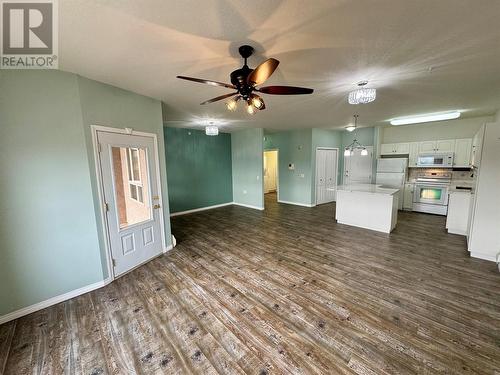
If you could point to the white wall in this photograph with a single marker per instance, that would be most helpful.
(451, 129)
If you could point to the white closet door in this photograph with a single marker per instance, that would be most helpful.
(320, 176)
(331, 175)
(326, 175)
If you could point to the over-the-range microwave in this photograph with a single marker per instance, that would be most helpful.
(440, 160)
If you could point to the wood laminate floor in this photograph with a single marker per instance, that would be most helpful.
(286, 290)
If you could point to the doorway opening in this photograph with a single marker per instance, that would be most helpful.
(271, 180)
(358, 168)
(327, 160)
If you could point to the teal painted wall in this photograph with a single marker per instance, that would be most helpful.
(325, 138)
(295, 146)
(247, 165)
(48, 227)
(199, 169)
(50, 223)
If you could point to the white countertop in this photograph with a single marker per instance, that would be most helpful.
(368, 188)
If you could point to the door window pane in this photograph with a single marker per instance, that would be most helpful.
(130, 172)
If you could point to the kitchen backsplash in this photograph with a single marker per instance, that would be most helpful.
(465, 176)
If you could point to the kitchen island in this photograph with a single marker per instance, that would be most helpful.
(368, 206)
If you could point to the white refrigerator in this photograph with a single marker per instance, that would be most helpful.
(392, 172)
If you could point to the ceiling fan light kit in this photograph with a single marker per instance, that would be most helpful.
(362, 95)
(245, 81)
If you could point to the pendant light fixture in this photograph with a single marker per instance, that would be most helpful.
(362, 95)
(355, 145)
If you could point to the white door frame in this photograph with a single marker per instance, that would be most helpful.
(100, 188)
(277, 172)
(316, 165)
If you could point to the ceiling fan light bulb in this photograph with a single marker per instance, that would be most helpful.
(250, 109)
(231, 105)
(257, 103)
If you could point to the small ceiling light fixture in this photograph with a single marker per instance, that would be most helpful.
(362, 95)
(211, 129)
(350, 128)
(355, 145)
(426, 118)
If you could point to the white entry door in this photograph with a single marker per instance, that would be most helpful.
(130, 187)
(358, 168)
(270, 171)
(326, 175)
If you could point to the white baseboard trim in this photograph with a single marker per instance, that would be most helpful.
(248, 206)
(297, 203)
(457, 231)
(489, 257)
(200, 209)
(52, 301)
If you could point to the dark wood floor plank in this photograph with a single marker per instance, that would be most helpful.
(286, 290)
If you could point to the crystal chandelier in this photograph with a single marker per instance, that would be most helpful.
(355, 145)
(362, 95)
(211, 129)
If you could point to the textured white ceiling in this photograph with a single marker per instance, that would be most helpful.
(422, 56)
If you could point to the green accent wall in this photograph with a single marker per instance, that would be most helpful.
(52, 241)
(247, 165)
(294, 146)
(199, 168)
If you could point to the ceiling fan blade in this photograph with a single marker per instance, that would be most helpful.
(262, 72)
(285, 90)
(208, 82)
(219, 98)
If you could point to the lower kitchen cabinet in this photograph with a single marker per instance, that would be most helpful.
(408, 197)
(457, 220)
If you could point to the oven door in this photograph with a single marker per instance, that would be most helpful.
(431, 194)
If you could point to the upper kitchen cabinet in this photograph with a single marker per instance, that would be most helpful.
(430, 147)
(477, 143)
(463, 151)
(413, 155)
(427, 146)
(447, 145)
(395, 149)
